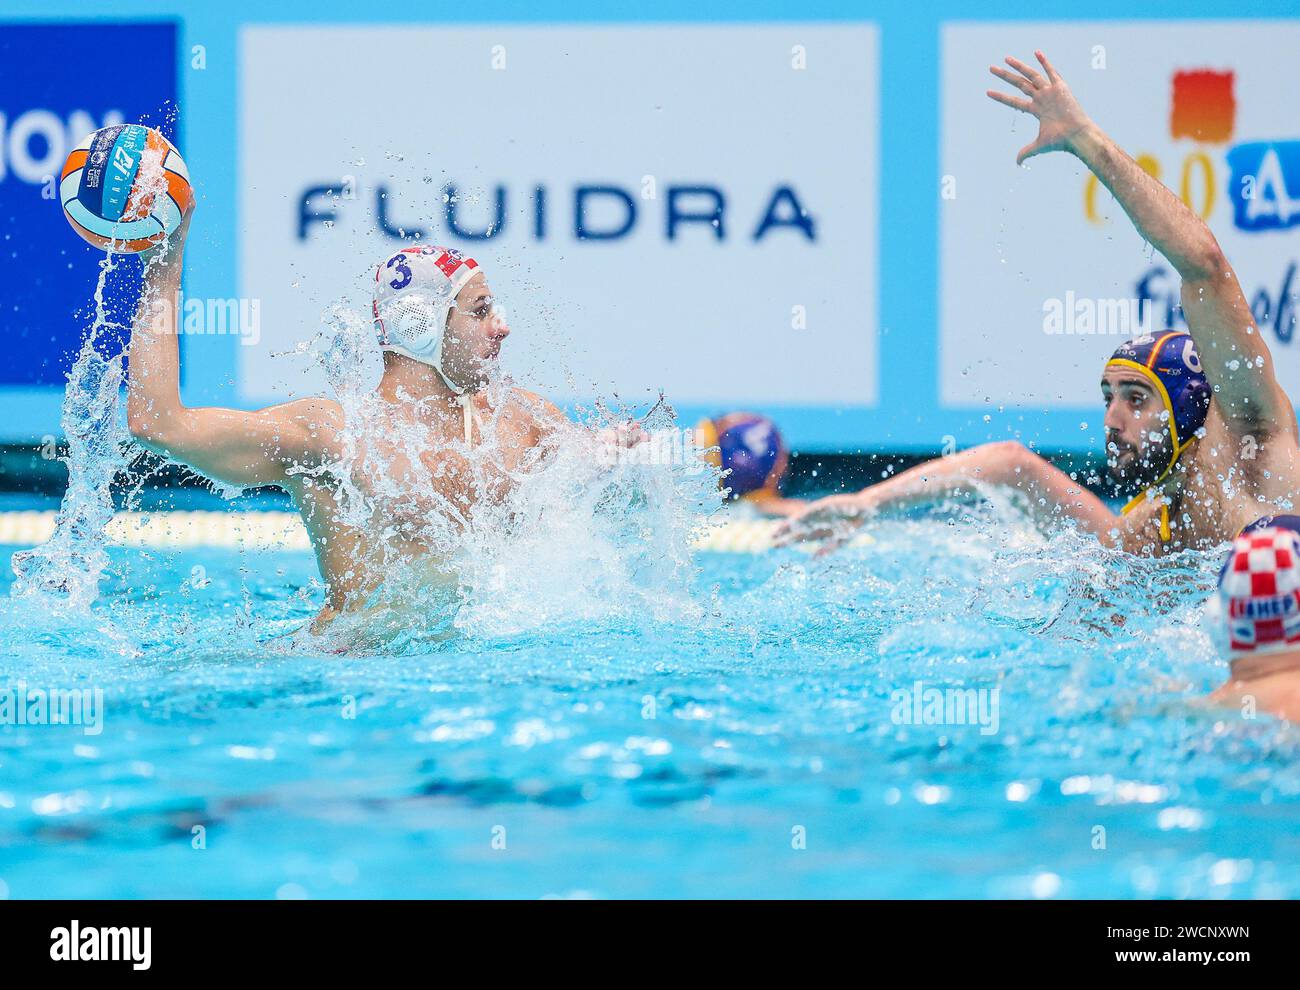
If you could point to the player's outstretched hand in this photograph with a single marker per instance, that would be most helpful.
(1047, 97)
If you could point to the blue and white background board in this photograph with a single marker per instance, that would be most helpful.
(1041, 270)
(924, 315)
(54, 92)
(682, 208)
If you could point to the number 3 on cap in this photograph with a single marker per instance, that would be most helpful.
(403, 272)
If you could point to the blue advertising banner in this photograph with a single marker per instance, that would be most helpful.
(60, 82)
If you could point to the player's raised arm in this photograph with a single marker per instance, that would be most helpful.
(227, 445)
(1235, 358)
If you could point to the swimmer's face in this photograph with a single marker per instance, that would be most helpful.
(1138, 445)
(475, 331)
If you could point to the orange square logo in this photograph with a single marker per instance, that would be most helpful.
(1204, 108)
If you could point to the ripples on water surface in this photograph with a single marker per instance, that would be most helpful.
(627, 753)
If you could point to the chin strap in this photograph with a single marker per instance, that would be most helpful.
(1166, 534)
(466, 402)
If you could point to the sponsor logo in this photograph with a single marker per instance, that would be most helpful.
(589, 213)
(123, 162)
(1262, 188)
(1262, 608)
(1265, 185)
(35, 144)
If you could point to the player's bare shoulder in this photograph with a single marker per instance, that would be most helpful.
(529, 412)
(311, 429)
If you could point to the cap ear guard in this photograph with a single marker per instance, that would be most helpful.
(1191, 405)
(416, 325)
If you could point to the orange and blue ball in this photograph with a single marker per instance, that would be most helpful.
(125, 188)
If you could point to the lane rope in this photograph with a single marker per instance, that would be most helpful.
(265, 530)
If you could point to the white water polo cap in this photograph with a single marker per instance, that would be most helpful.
(414, 292)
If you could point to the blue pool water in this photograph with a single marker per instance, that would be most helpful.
(750, 747)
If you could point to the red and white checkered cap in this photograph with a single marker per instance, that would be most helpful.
(1259, 592)
(414, 291)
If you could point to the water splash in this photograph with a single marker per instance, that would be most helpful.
(483, 538)
(66, 570)
(589, 538)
